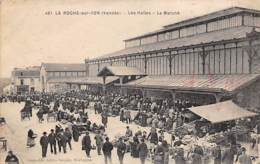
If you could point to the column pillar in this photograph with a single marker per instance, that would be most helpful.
(104, 85)
(218, 97)
(173, 93)
(145, 64)
(170, 62)
(121, 83)
(143, 93)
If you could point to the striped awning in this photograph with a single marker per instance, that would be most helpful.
(212, 83)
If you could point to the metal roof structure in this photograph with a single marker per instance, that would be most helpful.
(221, 112)
(201, 83)
(64, 67)
(201, 19)
(210, 37)
(120, 71)
(83, 80)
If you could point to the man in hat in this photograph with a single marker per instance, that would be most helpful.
(86, 144)
(104, 119)
(11, 158)
(107, 148)
(52, 140)
(216, 153)
(228, 155)
(143, 151)
(244, 158)
(99, 142)
(44, 144)
(121, 150)
(62, 141)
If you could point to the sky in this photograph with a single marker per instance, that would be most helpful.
(30, 36)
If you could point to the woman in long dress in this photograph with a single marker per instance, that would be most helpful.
(30, 138)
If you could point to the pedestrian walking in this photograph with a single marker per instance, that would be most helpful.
(166, 151)
(143, 151)
(228, 155)
(121, 150)
(104, 118)
(153, 136)
(159, 154)
(179, 157)
(62, 141)
(86, 144)
(107, 149)
(95, 107)
(244, 158)
(99, 142)
(122, 115)
(44, 144)
(68, 135)
(75, 133)
(128, 116)
(52, 140)
(216, 153)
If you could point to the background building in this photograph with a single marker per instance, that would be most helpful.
(207, 58)
(55, 76)
(24, 80)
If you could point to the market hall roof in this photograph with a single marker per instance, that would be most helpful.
(221, 112)
(200, 19)
(120, 71)
(201, 83)
(64, 67)
(214, 36)
(83, 80)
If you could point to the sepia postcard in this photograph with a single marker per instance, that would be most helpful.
(129, 82)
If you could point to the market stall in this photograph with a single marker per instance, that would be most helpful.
(221, 112)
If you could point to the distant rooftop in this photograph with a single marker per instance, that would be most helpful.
(33, 71)
(64, 67)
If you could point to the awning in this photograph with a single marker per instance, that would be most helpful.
(120, 71)
(84, 80)
(203, 83)
(221, 112)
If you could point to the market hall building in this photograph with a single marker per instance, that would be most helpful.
(205, 59)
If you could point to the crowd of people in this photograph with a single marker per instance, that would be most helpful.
(162, 116)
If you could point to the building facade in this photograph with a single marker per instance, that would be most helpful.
(55, 76)
(216, 43)
(25, 80)
(219, 47)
